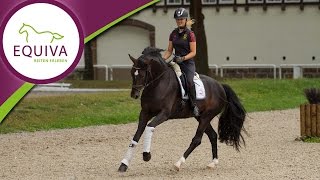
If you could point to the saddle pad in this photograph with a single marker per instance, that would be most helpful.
(200, 91)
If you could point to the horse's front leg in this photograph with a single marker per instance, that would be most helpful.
(143, 120)
(160, 118)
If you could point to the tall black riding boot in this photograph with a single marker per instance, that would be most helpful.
(192, 96)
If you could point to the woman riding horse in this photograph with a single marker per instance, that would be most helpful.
(183, 41)
(161, 100)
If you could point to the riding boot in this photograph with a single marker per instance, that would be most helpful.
(192, 97)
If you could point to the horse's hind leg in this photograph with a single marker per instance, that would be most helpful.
(196, 141)
(213, 137)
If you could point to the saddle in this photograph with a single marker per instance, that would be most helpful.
(182, 79)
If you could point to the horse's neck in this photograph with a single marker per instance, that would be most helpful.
(157, 70)
(160, 77)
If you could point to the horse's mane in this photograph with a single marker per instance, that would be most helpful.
(154, 53)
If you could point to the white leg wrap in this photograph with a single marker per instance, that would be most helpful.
(213, 163)
(178, 164)
(129, 155)
(147, 139)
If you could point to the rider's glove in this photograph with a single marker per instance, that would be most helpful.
(179, 59)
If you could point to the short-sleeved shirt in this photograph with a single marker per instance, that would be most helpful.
(181, 41)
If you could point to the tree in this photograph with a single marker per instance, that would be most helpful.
(88, 62)
(201, 58)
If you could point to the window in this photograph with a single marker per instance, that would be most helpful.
(255, 1)
(187, 2)
(174, 2)
(226, 2)
(273, 1)
(209, 1)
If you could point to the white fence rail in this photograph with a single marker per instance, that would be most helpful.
(216, 67)
(118, 67)
(109, 69)
(98, 66)
(300, 66)
(245, 66)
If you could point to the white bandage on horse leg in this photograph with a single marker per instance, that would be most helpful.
(178, 164)
(147, 139)
(129, 155)
(213, 163)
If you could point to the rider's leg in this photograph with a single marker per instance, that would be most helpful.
(189, 69)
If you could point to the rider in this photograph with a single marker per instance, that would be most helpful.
(183, 41)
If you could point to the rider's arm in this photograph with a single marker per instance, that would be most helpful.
(193, 51)
(169, 51)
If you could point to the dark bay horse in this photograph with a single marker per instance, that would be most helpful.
(161, 100)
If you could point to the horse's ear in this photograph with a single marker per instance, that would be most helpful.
(133, 59)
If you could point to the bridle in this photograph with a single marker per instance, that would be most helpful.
(148, 73)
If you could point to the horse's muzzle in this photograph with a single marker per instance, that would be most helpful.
(135, 94)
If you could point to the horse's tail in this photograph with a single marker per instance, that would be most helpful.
(231, 120)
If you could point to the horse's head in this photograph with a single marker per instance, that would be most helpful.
(23, 28)
(145, 69)
(139, 72)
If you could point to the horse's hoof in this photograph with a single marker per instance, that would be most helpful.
(177, 166)
(213, 164)
(146, 156)
(123, 168)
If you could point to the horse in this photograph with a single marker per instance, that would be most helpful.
(45, 36)
(161, 98)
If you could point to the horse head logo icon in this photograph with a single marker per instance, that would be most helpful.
(31, 33)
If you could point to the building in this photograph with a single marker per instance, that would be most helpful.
(246, 38)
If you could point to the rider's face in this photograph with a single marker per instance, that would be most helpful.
(181, 22)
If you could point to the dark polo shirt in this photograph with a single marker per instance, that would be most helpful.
(181, 41)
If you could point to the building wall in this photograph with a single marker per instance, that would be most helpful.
(114, 45)
(269, 35)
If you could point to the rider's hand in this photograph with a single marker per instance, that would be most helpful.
(179, 59)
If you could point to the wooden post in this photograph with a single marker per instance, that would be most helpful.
(318, 120)
(308, 120)
(302, 120)
(313, 120)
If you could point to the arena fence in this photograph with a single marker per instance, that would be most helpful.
(107, 72)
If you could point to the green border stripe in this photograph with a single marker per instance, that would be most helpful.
(93, 35)
(14, 99)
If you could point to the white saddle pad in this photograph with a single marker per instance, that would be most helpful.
(200, 90)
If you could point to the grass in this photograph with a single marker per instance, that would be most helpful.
(269, 94)
(79, 110)
(70, 111)
(312, 140)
